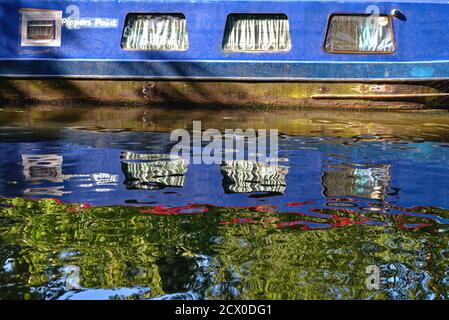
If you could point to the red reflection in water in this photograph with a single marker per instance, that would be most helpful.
(57, 201)
(408, 218)
(345, 221)
(81, 207)
(297, 204)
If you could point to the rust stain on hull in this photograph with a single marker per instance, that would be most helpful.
(241, 94)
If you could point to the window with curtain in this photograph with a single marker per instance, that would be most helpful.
(257, 32)
(359, 34)
(155, 32)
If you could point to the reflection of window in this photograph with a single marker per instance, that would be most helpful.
(362, 182)
(45, 191)
(153, 171)
(42, 167)
(359, 34)
(250, 176)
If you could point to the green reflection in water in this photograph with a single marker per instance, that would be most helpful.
(224, 253)
(431, 126)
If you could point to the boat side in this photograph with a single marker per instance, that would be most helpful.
(94, 51)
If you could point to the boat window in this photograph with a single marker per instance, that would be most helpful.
(41, 27)
(41, 30)
(359, 34)
(166, 32)
(257, 32)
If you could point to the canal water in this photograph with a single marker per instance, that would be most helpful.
(92, 207)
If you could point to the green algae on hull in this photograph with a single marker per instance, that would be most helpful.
(260, 95)
(249, 253)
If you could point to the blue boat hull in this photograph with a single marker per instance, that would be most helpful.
(226, 70)
(306, 75)
(422, 51)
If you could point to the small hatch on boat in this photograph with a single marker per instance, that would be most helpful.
(41, 30)
(167, 32)
(257, 32)
(359, 34)
(40, 27)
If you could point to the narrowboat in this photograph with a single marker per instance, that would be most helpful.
(295, 53)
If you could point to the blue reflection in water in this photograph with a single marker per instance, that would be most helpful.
(317, 179)
(88, 167)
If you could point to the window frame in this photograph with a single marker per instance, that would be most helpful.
(329, 20)
(180, 14)
(28, 14)
(290, 45)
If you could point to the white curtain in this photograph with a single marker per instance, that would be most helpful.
(257, 33)
(360, 34)
(155, 32)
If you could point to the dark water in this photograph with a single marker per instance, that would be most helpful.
(86, 212)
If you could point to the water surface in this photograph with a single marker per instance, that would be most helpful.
(92, 208)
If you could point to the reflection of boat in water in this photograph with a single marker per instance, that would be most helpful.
(45, 191)
(41, 170)
(153, 171)
(251, 176)
(42, 167)
(363, 182)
